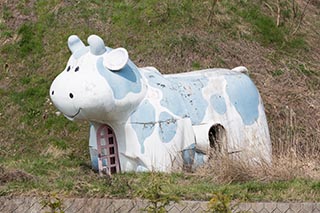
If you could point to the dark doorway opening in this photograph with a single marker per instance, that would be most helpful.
(217, 138)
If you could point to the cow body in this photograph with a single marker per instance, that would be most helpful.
(161, 122)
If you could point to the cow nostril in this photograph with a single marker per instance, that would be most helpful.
(70, 95)
(52, 92)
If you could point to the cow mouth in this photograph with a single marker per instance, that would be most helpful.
(71, 117)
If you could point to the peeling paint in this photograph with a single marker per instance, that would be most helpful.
(143, 122)
(167, 127)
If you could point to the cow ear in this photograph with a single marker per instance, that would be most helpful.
(74, 43)
(96, 45)
(116, 59)
(241, 69)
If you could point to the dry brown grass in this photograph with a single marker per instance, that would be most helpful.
(55, 152)
(13, 175)
(285, 166)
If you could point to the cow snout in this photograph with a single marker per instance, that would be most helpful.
(63, 98)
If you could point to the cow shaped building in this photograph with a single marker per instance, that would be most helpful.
(141, 120)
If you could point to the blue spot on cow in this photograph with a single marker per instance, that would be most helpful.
(167, 127)
(188, 155)
(171, 99)
(94, 163)
(181, 95)
(143, 121)
(198, 159)
(94, 159)
(244, 96)
(123, 81)
(218, 103)
(190, 89)
(191, 157)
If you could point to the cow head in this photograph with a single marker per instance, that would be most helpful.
(98, 84)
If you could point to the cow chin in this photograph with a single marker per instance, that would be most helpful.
(84, 114)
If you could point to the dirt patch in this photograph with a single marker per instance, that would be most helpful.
(15, 175)
(17, 13)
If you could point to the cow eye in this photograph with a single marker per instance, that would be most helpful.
(68, 69)
(77, 69)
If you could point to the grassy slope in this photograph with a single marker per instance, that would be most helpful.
(174, 36)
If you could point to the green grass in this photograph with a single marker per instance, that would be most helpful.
(264, 26)
(267, 32)
(277, 73)
(82, 182)
(31, 39)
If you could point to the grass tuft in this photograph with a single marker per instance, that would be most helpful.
(31, 40)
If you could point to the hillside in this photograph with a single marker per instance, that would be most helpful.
(279, 44)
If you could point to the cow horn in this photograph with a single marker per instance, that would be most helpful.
(74, 43)
(96, 44)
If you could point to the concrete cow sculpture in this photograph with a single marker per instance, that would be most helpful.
(141, 120)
